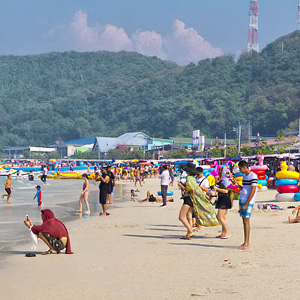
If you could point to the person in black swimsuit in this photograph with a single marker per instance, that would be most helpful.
(224, 203)
(104, 188)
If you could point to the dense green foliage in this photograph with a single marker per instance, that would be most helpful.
(71, 95)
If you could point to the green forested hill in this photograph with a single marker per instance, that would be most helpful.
(71, 95)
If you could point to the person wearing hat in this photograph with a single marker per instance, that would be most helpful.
(194, 198)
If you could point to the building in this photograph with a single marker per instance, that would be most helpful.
(135, 139)
(18, 152)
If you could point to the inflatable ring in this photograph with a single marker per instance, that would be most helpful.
(260, 172)
(288, 189)
(258, 168)
(289, 197)
(169, 193)
(297, 197)
(239, 174)
(263, 182)
(261, 177)
(263, 188)
(280, 182)
(287, 175)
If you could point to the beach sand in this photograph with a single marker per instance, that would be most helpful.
(136, 253)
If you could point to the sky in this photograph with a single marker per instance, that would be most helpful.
(183, 31)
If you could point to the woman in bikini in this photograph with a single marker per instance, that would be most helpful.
(84, 195)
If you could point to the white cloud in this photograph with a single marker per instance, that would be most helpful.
(92, 38)
(149, 43)
(183, 45)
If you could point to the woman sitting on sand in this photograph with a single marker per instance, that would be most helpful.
(152, 198)
(52, 232)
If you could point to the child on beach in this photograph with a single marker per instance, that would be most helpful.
(247, 199)
(38, 195)
(84, 195)
(8, 188)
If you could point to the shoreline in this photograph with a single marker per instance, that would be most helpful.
(71, 216)
(136, 253)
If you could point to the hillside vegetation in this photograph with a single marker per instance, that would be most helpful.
(70, 95)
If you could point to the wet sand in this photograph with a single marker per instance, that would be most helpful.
(136, 253)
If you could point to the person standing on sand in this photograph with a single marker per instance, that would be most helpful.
(164, 182)
(195, 198)
(84, 195)
(104, 182)
(137, 177)
(112, 181)
(8, 188)
(247, 199)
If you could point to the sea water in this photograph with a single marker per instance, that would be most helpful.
(61, 196)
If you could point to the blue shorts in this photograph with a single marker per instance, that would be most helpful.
(247, 212)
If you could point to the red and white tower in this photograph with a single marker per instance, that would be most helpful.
(253, 27)
(298, 23)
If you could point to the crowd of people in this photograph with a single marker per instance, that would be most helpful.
(203, 204)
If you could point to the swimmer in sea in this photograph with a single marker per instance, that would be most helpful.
(8, 188)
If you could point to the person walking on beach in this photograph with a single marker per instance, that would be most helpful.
(38, 196)
(84, 195)
(247, 200)
(44, 174)
(8, 188)
(195, 198)
(104, 182)
(171, 175)
(164, 176)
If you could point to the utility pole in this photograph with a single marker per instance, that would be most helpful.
(298, 23)
(239, 146)
(299, 136)
(225, 145)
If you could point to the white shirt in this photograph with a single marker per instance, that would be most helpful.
(203, 181)
(45, 171)
(164, 177)
(248, 182)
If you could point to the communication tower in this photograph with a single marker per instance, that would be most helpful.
(253, 27)
(298, 23)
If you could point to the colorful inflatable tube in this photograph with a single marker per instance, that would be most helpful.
(258, 168)
(287, 175)
(280, 182)
(263, 182)
(169, 193)
(288, 197)
(288, 189)
(297, 197)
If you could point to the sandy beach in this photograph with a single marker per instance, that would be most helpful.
(136, 253)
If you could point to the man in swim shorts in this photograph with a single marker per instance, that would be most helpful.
(247, 199)
(8, 188)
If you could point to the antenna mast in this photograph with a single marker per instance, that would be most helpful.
(298, 23)
(253, 27)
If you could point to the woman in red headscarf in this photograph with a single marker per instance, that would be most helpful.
(53, 233)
